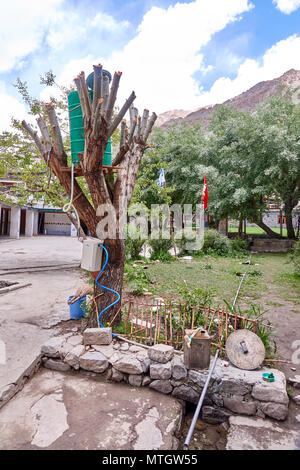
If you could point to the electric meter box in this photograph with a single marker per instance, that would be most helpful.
(91, 254)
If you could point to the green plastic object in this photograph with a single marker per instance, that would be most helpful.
(77, 131)
(90, 79)
(268, 377)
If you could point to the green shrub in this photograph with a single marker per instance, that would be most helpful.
(134, 242)
(295, 256)
(160, 249)
(237, 245)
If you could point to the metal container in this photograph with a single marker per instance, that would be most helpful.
(197, 349)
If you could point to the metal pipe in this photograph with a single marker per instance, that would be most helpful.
(199, 406)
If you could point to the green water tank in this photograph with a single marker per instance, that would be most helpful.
(77, 131)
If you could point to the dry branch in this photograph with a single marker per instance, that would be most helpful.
(33, 134)
(121, 114)
(97, 92)
(113, 95)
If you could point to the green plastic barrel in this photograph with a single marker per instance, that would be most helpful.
(77, 131)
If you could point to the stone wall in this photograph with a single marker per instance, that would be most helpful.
(231, 390)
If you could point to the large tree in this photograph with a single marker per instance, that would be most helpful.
(109, 189)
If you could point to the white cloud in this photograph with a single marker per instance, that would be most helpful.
(11, 107)
(22, 25)
(159, 62)
(107, 22)
(277, 60)
(287, 6)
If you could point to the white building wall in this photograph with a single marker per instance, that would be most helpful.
(57, 223)
(15, 222)
(29, 225)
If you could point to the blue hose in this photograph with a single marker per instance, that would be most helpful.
(107, 288)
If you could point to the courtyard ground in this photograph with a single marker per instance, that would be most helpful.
(51, 265)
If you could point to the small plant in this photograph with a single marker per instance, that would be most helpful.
(134, 242)
(136, 279)
(160, 249)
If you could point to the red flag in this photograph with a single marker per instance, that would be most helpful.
(204, 194)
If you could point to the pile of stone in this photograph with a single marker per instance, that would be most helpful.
(231, 390)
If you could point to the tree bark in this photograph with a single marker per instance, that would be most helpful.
(267, 229)
(288, 210)
(112, 277)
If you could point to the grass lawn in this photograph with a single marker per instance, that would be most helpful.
(257, 230)
(220, 274)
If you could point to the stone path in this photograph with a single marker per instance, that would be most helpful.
(71, 411)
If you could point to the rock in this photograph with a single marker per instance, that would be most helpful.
(135, 380)
(146, 381)
(107, 351)
(296, 399)
(247, 433)
(93, 361)
(162, 386)
(53, 346)
(217, 399)
(116, 345)
(274, 410)
(179, 371)
(186, 393)
(231, 387)
(56, 365)
(271, 391)
(75, 340)
(116, 375)
(260, 414)
(72, 358)
(7, 392)
(199, 378)
(160, 371)
(114, 358)
(129, 365)
(65, 349)
(161, 353)
(124, 347)
(99, 336)
(141, 355)
(237, 405)
(294, 381)
(223, 427)
(214, 415)
(135, 349)
(146, 365)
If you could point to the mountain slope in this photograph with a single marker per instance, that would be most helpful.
(246, 101)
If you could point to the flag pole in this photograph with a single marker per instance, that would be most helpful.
(171, 223)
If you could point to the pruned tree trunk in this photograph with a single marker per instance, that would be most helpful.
(109, 191)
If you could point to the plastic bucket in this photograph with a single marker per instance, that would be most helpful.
(77, 310)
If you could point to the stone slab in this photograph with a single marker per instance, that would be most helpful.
(46, 415)
(247, 433)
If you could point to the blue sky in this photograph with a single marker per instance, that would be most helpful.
(175, 55)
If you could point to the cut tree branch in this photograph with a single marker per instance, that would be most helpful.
(97, 87)
(112, 97)
(33, 134)
(56, 134)
(121, 114)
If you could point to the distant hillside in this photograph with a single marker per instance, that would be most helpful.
(246, 101)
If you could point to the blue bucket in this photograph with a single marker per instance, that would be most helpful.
(77, 310)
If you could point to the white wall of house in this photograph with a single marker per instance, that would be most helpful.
(15, 222)
(29, 225)
(57, 223)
